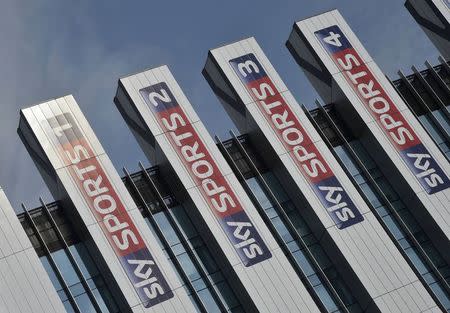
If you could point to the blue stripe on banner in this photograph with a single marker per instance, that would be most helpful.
(146, 277)
(158, 97)
(334, 38)
(425, 168)
(337, 202)
(249, 61)
(245, 238)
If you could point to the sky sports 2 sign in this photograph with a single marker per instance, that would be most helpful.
(108, 209)
(420, 162)
(202, 168)
(294, 138)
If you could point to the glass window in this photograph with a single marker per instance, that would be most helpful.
(184, 221)
(347, 160)
(84, 303)
(51, 273)
(275, 187)
(259, 193)
(326, 298)
(190, 268)
(227, 294)
(84, 260)
(206, 259)
(443, 120)
(68, 306)
(67, 271)
(300, 256)
(429, 125)
(390, 220)
(167, 229)
(304, 263)
(208, 300)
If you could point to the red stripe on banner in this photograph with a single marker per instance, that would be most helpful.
(199, 163)
(289, 130)
(376, 100)
(101, 197)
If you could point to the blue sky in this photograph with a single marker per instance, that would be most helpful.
(53, 48)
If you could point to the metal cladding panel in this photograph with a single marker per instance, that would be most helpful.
(24, 283)
(358, 235)
(87, 177)
(434, 18)
(186, 146)
(403, 139)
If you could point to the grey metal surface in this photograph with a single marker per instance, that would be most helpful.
(79, 173)
(369, 252)
(24, 283)
(271, 282)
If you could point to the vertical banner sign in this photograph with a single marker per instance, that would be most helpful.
(108, 209)
(204, 171)
(294, 138)
(396, 128)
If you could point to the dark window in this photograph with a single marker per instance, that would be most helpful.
(440, 92)
(302, 259)
(410, 98)
(423, 92)
(392, 222)
(60, 260)
(210, 288)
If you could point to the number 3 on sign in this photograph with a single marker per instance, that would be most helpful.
(333, 39)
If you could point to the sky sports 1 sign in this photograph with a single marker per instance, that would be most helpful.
(400, 133)
(294, 138)
(202, 168)
(108, 209)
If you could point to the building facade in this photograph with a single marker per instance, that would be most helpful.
(24, 285)
(427, 94)
(433, 16)
(173, 137)
(262, 106)
(340, 208)
(390, 141)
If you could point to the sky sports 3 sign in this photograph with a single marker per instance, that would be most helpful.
(294, 138)
(202, 168)
(420, 162)
(109, 211)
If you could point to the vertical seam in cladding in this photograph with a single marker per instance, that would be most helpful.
(5, 285)
(286, 219)
(424, 105)
(71, 256)
(267, 225)
(398, 218)
(52, 262)
(183, 239)
(164, 241)
(34, 271)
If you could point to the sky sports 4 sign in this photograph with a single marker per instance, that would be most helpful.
(294, 138)
(202, 168)
(109, 211)
(377, 101)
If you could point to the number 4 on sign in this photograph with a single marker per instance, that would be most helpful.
(333, 39)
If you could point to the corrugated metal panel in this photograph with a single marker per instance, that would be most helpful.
(270, 107)
(181, 140)
(89, 181)
(24, 284)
